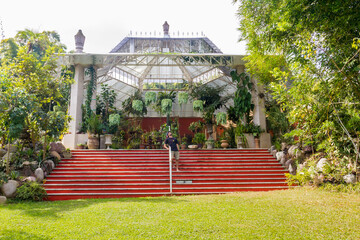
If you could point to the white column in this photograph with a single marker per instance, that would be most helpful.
(76, 99)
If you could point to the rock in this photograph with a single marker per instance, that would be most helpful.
(279, 155)
(288, 163)
(39, 174)
(29, 179)
(283, 160)
(272, 148)
(56, 155)
(51, 164)
(283, 146)
(9, 188)
(293, 150)
(321, 164)
(2, 152)
(274, 153)
(57, 147)
(292, 169)
(34, 164)
(2, 200)
(13, 148)
(350, 178)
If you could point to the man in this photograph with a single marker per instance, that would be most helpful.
(174, 145)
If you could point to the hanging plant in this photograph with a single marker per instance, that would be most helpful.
(137, 105)
(166, 106)
(221, 118)
(150, 97)
(198, 106)
(183, 98)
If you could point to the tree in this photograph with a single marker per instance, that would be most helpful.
(311, 50)
(30, 63)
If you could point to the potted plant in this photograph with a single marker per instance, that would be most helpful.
(94, 129)
(199, 139)
(183, 143)
(81, 146)
(67, 153)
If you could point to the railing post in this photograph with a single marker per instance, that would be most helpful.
(170, 169)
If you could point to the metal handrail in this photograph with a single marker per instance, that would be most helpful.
(170, 169)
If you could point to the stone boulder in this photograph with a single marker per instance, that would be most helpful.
(307, 149)
(320, 166)
(2, 152)
(39, 174)
(292, 168)
(279, 155)
(350, 178)
(29, 179)
(2, 200)
(283, 160)
(284, 146)
(57, 147)
(9, 188)
(56, 155)
(293, 150)
(49, 164)
(274, 153)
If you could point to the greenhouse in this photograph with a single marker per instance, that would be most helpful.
(156, 64)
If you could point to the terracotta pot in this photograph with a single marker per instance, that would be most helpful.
(224, 144)
(183, 146)
(257, 142)
(93, 143)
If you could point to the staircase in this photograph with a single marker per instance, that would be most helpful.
(140, 173)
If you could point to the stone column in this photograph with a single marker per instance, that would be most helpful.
(76, 99)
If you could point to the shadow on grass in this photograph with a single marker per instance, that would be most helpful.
(18, 235)
(55, 208)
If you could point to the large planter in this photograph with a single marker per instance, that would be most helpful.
(93, 143)
(193, 146)
(224, 144)
(209, 144)
(108, 140)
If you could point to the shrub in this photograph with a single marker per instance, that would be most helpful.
(32, 191)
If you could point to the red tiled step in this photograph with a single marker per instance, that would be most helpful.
(124, 173)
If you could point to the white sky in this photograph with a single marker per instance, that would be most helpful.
(105, 23)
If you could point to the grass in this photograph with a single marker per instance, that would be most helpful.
(292, 214)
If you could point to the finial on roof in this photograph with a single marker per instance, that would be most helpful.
(166, 29)
(79, 41)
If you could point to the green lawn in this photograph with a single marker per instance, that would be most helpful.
(292, 214)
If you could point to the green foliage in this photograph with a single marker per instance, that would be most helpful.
(199, 138)
(196, 126)
(198, 106)
(166, 106)
(183, 98)
(137, 105)
(31, 191)
(4, 178)
(212, 99)
(161, 96)
(242, 98)
(94, 124)
(105, 104)
(150, 97)
(14, 175)
(128, 105)
(221, 118)
(342, 188)
(307, 53)
(114, 122)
